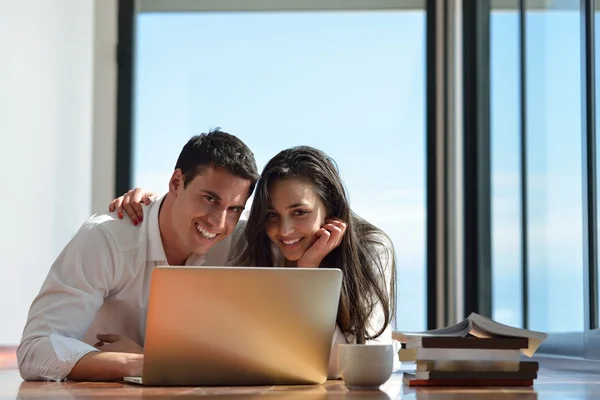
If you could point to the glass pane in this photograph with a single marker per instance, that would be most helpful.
(554, 168)
(507, 294)
(357, 94)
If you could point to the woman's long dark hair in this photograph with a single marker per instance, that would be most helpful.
(364, 255)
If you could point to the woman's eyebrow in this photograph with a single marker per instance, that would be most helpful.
(296, 205)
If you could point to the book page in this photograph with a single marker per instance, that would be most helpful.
(458, 330)
(485, 328)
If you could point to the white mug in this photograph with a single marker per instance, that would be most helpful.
(365, 365)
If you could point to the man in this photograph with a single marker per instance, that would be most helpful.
(98, 286)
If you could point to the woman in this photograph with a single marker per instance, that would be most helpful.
(300, 217)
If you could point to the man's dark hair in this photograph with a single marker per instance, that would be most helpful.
(217, 149)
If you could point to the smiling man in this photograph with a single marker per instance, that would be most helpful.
(98, 285)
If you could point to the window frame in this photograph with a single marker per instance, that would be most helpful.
(274, 5)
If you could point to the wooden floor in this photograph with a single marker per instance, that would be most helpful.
(558, 380)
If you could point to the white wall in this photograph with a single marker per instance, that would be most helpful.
(57, 101)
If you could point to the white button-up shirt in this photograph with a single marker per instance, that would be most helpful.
(98, 284)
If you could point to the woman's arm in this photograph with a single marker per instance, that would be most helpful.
(338, 338)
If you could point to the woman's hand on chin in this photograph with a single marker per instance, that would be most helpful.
(329, 237)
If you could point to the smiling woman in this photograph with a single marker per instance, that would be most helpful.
(301, 216)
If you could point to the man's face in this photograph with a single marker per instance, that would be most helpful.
(208, 209)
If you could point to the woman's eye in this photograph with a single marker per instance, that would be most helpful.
(300, 212)
(271, 215)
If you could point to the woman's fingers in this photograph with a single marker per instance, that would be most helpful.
(128, 207)
(324, 236)
(139, 213)
(337, 222)
(132, 203)
(117, 205)
(336, 233)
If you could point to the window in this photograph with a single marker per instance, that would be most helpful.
(505, 139)
(549, 166)
(554, 147)
(349, 83)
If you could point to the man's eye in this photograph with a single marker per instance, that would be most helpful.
(237, 209)
(209, 198)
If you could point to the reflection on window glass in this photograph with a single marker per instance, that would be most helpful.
(507, 296)
(554, 168)
(282, 79)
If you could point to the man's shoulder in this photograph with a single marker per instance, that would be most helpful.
(124, 234)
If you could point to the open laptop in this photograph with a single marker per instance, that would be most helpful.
(233, 326)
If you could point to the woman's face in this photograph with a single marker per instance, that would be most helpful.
(295, 215)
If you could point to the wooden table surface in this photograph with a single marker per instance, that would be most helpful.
(556, 381)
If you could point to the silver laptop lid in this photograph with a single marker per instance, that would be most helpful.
(211, 326)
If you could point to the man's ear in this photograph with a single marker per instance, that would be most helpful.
(176, 183)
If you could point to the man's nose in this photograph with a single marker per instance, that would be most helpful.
(217, 219)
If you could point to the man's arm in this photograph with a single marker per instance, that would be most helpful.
(74, 290)
(103, 367)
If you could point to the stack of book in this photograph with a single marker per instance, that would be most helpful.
(475, 352)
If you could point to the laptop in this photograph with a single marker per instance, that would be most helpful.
(239, 326)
